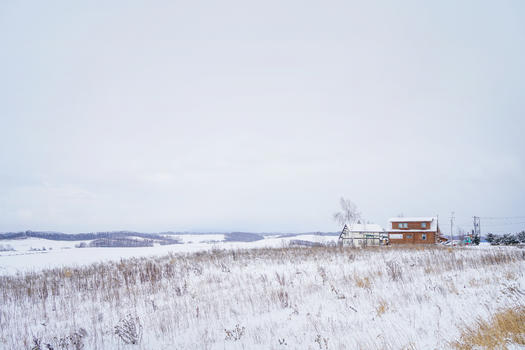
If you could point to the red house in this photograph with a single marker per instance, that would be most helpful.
(419, 230)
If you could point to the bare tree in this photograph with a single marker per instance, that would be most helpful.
(348, 213)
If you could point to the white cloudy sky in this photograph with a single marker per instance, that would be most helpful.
(258, 116)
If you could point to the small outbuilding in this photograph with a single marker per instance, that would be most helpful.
(362, 235)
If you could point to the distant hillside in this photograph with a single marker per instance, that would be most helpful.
(242, 237)
(59, 236)
(162, 238)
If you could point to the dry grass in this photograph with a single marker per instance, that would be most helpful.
(273, 294)
(505, 327)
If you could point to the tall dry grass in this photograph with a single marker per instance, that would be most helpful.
(204, 293)
(503, 328)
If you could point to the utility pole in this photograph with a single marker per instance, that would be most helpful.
(452, 226)
(477, 227)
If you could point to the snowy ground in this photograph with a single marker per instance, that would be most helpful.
(278, 298)
(60, 253)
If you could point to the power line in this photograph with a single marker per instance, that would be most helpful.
(502, 217)
(505, 224)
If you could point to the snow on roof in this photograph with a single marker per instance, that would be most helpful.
(365, 228)
(428, 218)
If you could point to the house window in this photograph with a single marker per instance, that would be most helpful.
(403, 225)
(424, 225)
(424, 236)
(409, 236)
(400, 225)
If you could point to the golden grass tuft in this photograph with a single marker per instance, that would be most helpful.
(504, 328)
(382, 307)
(362, 282)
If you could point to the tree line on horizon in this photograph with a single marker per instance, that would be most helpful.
(506, 239)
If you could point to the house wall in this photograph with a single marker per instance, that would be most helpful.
(416, 237)
(356, 239)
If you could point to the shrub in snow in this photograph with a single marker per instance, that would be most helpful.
(6, 248)
(129, 329)
(73, 341)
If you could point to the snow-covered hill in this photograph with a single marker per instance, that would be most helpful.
(34, 254)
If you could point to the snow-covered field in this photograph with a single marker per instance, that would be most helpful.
(25, 257)
(266, 298)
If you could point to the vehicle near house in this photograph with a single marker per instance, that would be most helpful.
(415, 230)
(362, 235)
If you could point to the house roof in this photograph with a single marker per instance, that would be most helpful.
(365, 228)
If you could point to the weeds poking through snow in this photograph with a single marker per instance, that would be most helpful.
(225, 268)
(284, 298)
(286, 293)
(322, 342)
(73, 341)
(37, 344)
(234, 334)
(322, 273)
(337, 293)
(394, 270)
(280, 279)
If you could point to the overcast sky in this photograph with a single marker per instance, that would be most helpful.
(258, 116)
